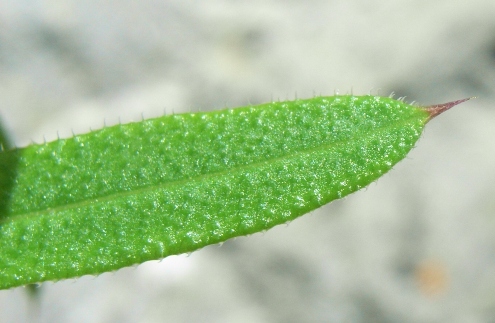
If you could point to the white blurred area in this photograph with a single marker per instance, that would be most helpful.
(416, 246)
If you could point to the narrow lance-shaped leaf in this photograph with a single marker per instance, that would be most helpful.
(130, 193)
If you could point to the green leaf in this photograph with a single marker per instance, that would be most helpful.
(130, 193)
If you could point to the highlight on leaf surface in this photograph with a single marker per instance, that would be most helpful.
(130, 193)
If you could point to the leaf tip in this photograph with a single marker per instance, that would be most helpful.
(434, 110)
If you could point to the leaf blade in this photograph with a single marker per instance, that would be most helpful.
(86, 205)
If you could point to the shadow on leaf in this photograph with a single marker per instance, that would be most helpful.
(8, 169)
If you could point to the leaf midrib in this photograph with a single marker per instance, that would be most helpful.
(137, 191)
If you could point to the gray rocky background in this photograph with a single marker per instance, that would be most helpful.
(416, 246)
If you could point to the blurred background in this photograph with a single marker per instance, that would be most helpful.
(416, 246)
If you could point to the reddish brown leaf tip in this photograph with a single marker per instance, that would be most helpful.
(436, 109)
